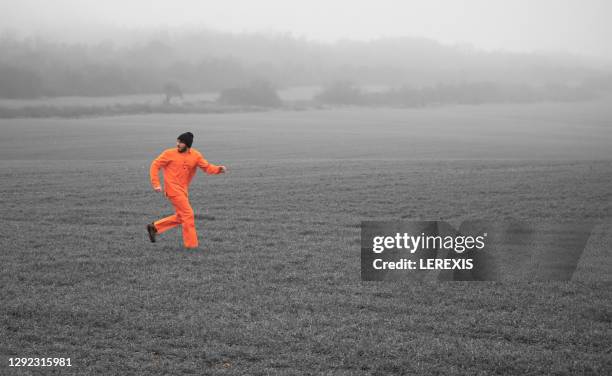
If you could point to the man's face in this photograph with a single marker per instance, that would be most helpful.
(181, 146)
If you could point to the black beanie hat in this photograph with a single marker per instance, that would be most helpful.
(186, 138)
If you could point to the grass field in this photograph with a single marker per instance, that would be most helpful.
(275, 287)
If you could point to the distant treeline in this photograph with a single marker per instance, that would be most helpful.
(57, 70)
(77, 111)
(465, 93)
(260, 95)
(213, 61)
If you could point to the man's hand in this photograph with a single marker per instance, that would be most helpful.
(222, 169)
(157, 189)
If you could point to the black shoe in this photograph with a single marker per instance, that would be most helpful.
(152, 232)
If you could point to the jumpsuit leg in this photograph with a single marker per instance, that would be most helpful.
(167, 223)
(184, 216)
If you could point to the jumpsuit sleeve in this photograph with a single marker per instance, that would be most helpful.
(159, 162)
(208, 167)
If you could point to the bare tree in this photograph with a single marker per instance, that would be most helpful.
(172, 90)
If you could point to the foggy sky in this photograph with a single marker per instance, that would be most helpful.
(575, 26)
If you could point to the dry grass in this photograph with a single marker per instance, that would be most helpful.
(275, 287)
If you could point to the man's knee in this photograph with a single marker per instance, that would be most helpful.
(187, 216)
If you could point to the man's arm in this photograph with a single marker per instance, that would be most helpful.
(210, 168)
(159, 162)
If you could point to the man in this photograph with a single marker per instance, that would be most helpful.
(179, 166)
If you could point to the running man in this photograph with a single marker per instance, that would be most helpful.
(179, 166)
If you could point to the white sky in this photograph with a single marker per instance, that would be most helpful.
(578, 26)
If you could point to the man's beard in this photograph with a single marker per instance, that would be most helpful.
(182, 150)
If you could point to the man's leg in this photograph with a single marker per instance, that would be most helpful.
(167, 223)
(184, 214)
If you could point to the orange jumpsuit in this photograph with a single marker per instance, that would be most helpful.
(179, 169)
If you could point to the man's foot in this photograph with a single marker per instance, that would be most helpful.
(152, 232)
